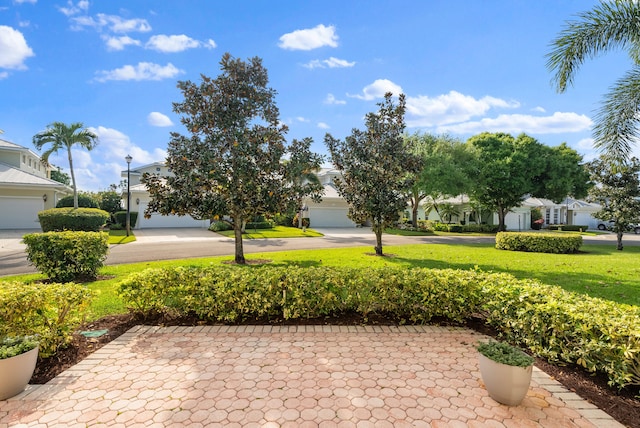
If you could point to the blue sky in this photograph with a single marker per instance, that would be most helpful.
(465, 66)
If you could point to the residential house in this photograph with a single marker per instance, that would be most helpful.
(333, 210)
(25, 187)
(140, 198)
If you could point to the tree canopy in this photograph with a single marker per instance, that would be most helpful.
(377, 167)
(608, 26)
(63, 136)
(617, 189)
(445, 169)
(232, 164)
(507, 169)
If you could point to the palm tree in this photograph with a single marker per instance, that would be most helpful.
(62, 136)
(607, 26)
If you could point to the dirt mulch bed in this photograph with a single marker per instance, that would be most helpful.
(623, 406)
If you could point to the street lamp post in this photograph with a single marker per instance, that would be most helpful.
(128, 224)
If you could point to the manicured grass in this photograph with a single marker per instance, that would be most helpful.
(276, 232)
(120, 237)
(599, 271)
(401, 232)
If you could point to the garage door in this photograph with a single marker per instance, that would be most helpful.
(165, 221)
(20, 212)
(329, 217)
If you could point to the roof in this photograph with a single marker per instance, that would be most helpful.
(12, 176)
(7, 145)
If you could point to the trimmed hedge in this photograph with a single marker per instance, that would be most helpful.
(67, 256)
(81, 219)
(599, 335)
(84, 201)
(51, 311)
(538, 242)
(259, 225)
(121, 218)
(568, 227)
(219, 226)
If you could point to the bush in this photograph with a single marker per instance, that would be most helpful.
(84, 201)
(121, 218)
(67, 256)
(219, 226)
(110, 202)
(599, 335)
(538, 242)
(81, 219)
(306, 222)
(283, 219)
(568, 227)
(224, 293)
(259, 225)
(51, 311)
(480, 228)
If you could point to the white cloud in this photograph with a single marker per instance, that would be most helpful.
(3, 75)
(309, 39)
(323, 125)
(377, 90)
(557, 123)
(166, 44)
(333, 100)
(158, 119)
(453, 107)
(332, 62)
(142, 71)
(24, 24)
(210, 44)
(14, 49)
(71, 9)
(25, 1)
(119, 43)
(113, 23)
(539, 109)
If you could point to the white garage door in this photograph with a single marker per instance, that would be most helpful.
(20, 212)
(165, 221)
(329, 217)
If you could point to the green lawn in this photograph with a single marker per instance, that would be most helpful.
(120, 237)
(276, 232)
(599, 271)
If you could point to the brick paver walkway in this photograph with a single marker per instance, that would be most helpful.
(298, 376)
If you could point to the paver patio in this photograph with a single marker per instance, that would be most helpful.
(298, 376)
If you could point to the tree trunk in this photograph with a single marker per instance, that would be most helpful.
(237, 229)
(414, 212)
(620, 240)
(501, 215)
(377, 229)
(73, 180)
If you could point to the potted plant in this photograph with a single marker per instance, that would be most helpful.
(18, 357)
(506, 371)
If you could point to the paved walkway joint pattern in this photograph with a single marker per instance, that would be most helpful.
(298, 376)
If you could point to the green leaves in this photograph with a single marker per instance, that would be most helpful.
(538, 242)
(376, 166)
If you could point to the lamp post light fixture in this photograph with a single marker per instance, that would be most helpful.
(128, 224)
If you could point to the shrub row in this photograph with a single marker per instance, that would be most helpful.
(538, 242)
(67, 256)
(84, 201)
(259, 225)
(51, 311)
(568, 227)
(233, 294)
(599, 335)
(83, 219)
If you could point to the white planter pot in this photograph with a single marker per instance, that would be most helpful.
(15, 373)
(505, 384)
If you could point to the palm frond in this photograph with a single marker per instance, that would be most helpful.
(618, 120)
(608, 26)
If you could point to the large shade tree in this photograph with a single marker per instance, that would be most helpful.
(376, 166)
(62, 136)
(617, 190)
(608, 26)
(445, 170)
(507, 169)
(231, 165)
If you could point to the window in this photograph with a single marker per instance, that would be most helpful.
(29, 162)
(547, 217)
(24, 159)
(555, 216)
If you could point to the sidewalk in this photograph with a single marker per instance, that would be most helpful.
(297, 376)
